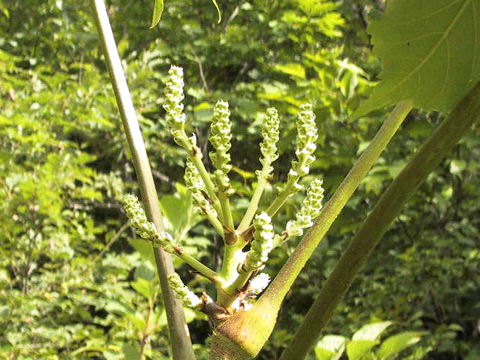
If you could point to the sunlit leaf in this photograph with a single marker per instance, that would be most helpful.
(157, 12)
(430, 52)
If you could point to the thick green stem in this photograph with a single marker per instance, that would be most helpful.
(179, 336)
(266, 309)
(440, 143)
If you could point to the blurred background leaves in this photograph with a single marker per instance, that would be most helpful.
(72, 285)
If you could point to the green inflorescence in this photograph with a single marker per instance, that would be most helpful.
(220, 137)
(144, 228)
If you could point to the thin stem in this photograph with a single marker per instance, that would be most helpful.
(197, 265)
(179, 336)
(114, 238)
(388, 207)
(253, 206)
(207, 180)
(282, 197)
(215, 223)
(295, 263)
(226, 211)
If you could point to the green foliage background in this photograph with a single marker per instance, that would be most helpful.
(72, 285)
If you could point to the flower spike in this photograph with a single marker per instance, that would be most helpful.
(182, 292)
(220, 137)
(262, 243)
(268, 147)
(311, 207)
(144, 228)
(173, 104)
(307, 135)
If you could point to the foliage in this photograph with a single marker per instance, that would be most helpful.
(417, 40)
(63, 164)
(365, 344)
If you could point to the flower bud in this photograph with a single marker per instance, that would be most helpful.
(144, 228)
(262, 243)
(311, 207)
(306, 138)
(268, 147)
(182, 292)
(220, 137)
(196, 186)
(173, 104)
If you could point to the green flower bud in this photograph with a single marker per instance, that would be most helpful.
(182, 292)
(306, 138)
(144, 228)
(196, 186)
(268, 147)
(220, 137)
(262, 243)
(173, 104)
(311, 207)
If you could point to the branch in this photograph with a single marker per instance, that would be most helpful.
(264, 312)
(440, 143)
(180, 339)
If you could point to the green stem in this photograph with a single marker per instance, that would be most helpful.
(226, 211)
(295, 263)
(197, 265)
(282, 197)
(215, 223)
(207, 180)
(253, 206)
(180, 339)
(388, 207)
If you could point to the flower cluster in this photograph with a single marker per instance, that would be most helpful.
(268, 147)
(259, 283)
(173, 104)
(262, 243)
(182, 292)
(220, 137)
(144, 228)
(311, 207)
(306, 138)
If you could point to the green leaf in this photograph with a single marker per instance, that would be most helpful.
(157, 13)
(330, 347)
(371, 331)
(396, 343)
(357, 348)
(292, 69)
(430, 52)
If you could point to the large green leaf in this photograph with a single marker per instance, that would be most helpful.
(430, 52)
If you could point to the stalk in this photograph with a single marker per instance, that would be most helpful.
(253, 206)
(179, 336)
(230, 335)
(389, 206)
